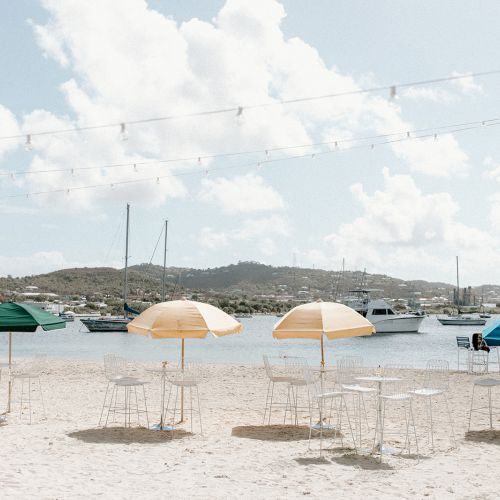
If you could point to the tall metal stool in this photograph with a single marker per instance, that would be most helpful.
(185, 382)
(29, 376)
(123, 398)
(489, 383)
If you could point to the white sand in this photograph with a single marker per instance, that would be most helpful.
(67, 456)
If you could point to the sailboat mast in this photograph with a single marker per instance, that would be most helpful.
(163, 291)
(458, 290)
(125, 285)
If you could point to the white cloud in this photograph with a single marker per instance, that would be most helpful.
(401, 228)
(261, 231)
(8, 127)
(136, 63)
(466, 85)
(246, 193)
(438, 95)
(211, 239)
(37, 263)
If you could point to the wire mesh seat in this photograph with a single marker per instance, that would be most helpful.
(463, 345)
(436, 383)
(348, 371)
(29, 374)
(318, 398)
(185, 380)
(278, 372)
(399, 394)
(115, 369)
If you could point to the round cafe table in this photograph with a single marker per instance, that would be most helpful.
(379, 379)
(163, 370)
(487, 383)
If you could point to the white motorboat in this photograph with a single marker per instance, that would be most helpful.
(382, 316)
(462, 320)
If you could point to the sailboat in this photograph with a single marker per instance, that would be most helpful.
(461, 319)
(115, 324)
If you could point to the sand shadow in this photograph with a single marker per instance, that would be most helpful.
(484, 436)
(274, 432)
(362, 462)
(312, 461)
(124, 435)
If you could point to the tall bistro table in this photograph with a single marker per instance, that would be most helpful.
(163, 370)
(379, 379)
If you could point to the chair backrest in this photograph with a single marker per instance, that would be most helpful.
(398, 370)
(267, 365)
(294, 367)
(310, 380)
(463, 342)
(190, 373)
(347, 370)
(115, 367)
(437, 374)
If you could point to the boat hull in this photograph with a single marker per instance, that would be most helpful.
(106, 325)
(462, 322)
(398, 324)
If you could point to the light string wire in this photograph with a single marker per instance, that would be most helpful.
(199, 158)
(269, 161)
(240, 108)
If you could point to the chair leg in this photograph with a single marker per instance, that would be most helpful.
(267, 401)
(41, 397)
(270, 404)
(431, 422)
(348, 423)
(199, 409)
(450, 419)
(471, 406)
(414, 428)
(145, 405)
(382, 424)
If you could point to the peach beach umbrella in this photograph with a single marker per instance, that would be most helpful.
(318, 319)
(184, 319)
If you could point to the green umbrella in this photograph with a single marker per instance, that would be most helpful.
(24, 318)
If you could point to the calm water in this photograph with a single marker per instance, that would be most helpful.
(434, 341)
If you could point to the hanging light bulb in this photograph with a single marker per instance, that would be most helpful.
(435, 137)
(206, 172)
(372, 146)
(135, 168)
(267, 152)
(408, 135)
(393, 92)
(123, 132)
(313, 155)
(12, 176)
(336, 145)
(27, 145)
(240, 111)
(199, 160)
(72, 171)
(259, 164)
(112, 186)
(157, 180)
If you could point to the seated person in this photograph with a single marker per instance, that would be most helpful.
(478, 343)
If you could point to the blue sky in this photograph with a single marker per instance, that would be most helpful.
(405, 209)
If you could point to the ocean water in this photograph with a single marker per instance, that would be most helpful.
(433, 341)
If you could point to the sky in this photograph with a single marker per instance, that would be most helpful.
(404, 208)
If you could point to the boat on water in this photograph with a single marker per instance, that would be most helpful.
(243, 315)
(67, 316)
(381, 314)
(461, 319)
(110, 323)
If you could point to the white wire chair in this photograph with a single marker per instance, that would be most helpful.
(115, 368)
(348, 370)
(399, 394)
(278, 373)
(318, 398)
(185, 380)
(436, 383)
(29, 374)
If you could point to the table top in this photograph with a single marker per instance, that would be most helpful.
(487, 382)
(378, 378)
(163, 369)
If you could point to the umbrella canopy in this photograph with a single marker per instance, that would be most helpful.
(184, 319)
(492, 335)
(313, 320)
(16, 317)
(24, 318)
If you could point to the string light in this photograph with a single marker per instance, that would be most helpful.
(408, 135)
(249, 165)
(123, 132)
(450, 128)
(28, 146)
(392, 92)
(157, 180)
(236, 109)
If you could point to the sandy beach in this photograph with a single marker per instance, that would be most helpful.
(68, 456)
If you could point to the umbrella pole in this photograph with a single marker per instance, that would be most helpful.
(10, 368)
(322, 354)
(182, 387)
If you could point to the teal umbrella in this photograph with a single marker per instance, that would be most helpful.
(16, 317)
